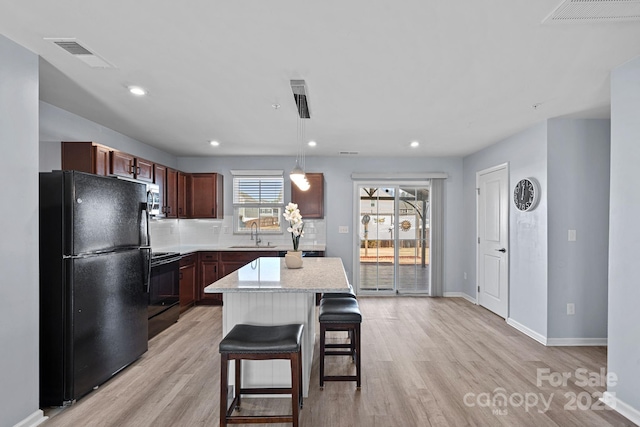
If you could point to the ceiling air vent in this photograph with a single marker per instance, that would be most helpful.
(595, 11)
(348, 153)
(81, 52)
(301, 96)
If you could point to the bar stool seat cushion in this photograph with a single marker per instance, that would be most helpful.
(340, 310)
(262, 339)
(338, 295)
(348, 294)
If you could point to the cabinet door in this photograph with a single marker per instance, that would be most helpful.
(310, 202)
(144, 170)
(208, 275)
(85, 156)
(170, 208)
(182, 195)
(122, 164)
(101, 160)
(187, 286)
(205, 192)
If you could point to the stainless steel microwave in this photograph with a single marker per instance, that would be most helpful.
(153, 199)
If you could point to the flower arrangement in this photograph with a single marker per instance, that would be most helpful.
(296, 226)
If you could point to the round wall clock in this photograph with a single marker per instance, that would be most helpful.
(526, 194)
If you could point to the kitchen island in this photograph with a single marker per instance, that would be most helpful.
(266, 292)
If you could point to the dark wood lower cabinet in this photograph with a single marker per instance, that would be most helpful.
(208, 267)
(199, 270)
(188, 276)
(231, 261)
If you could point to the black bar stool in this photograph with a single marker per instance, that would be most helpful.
(249, 342)
(343, 315)
(349, 294)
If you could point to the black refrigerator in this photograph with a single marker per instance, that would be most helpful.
(94, 272)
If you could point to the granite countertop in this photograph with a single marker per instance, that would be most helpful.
(269, 274)
(188, 249)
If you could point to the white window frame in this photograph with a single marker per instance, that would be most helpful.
(257, 175)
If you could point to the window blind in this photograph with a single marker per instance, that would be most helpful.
(258, 190)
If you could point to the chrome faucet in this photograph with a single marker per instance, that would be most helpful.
(258, 240)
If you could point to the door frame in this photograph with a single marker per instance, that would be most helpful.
(356, 235)
(478, 254)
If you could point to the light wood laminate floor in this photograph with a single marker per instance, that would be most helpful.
(426, 362)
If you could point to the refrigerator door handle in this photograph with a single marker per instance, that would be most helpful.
(146, 268)
(144, 214)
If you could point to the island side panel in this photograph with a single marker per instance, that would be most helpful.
(272, 308)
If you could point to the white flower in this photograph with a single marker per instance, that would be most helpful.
(296, 226)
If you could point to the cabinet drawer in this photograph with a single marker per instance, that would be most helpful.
(208, 256)
(188, 260)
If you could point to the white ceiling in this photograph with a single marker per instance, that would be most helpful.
(454, 75)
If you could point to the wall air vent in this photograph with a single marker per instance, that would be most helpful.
(595, 11)
(348, 153)
(81, 52)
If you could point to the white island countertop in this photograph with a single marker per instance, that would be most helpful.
(269, 274)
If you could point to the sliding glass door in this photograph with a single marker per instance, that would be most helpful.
(394, 238)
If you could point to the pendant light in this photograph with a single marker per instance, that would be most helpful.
(297, 175)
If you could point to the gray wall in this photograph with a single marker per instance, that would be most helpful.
(58, 125)
(526, 153)
(339, 196)
(19, 230)
(624, 234)
(578, 199)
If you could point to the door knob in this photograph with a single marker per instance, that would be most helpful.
(503, 250)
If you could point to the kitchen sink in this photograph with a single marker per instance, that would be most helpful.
(253, 247)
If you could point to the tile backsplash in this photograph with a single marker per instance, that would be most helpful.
(168, 233)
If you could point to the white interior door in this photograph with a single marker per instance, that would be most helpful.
(493, 239)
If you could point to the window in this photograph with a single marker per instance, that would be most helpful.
(258, 198)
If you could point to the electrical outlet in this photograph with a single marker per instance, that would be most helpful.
(343, 229)
(572, 237)
(571, 309)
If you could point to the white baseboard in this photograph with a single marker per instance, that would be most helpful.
(459, 295)
(33, 420)
(529, 332)
(573, 342)
(624, 409)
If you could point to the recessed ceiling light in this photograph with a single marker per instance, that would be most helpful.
(312, 144)
(137, 90)
(414, 144)
(214, 143)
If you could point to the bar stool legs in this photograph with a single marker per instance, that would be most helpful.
(247, 342)
(340, 314)
(352, 349)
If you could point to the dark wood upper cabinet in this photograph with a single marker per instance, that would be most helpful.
(85, 156)
(128, 166)
(182, 195)
(205, 195)
(170, 208)
(310, 202)
(144, 170)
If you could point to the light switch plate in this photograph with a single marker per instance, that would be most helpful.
(572, 235)
(343, 229)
